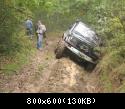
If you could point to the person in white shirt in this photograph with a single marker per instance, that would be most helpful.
(41, 29)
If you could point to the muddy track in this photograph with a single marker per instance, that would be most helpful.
(47, 74)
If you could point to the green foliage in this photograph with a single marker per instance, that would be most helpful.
(107, 17)
(19, 57)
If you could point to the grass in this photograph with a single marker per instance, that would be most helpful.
(20, 57)
(106, 83)
(48, 57)
(122, 88)
(55, 34)
(112, 65)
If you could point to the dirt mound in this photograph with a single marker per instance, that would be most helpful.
(47, 74)
(67, 76)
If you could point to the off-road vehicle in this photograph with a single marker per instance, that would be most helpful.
(82, 41)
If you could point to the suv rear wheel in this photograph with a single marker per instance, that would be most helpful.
(90, 66)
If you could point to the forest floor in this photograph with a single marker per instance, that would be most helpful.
(45, 73)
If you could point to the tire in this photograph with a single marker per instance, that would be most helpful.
(90, 66)
(59, 51)
(95, 56)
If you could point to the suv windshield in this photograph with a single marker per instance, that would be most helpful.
(82, 30)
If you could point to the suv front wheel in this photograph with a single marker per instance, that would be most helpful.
(60, 50)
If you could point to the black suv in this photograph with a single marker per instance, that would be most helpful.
(81, 41)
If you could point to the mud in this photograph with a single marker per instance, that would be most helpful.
(47, 74)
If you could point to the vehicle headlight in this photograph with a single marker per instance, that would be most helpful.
(74, 41)
(82, 47)
(68, 38)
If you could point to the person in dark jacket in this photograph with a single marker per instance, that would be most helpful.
(29, 27)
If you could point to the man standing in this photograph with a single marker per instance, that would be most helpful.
(41, 29)
(29, 28)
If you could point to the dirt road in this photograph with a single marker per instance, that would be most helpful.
(47, 74)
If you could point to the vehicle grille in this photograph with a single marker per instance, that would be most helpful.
(80, 45)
